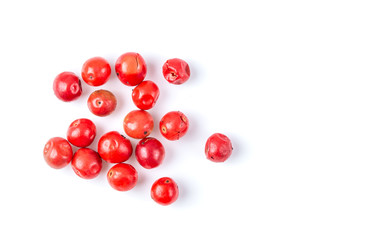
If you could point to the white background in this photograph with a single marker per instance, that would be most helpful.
(294, 84)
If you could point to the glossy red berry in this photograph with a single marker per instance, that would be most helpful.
(145, 95)
(122, 177)
(173, 125)
(57, 152)
(130, 68)
(114, 148)
(96, 71)
(164, 191)
(81, 132)
(218, 148)
(176, 71)
(86, 163)
(67, 86)
(138, 124)
(150, 152)
(102, 102)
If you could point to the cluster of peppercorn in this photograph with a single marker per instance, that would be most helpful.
(113, 147)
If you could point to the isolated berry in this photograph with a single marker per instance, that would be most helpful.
(176, 71)
(164, 191)
(218, 148)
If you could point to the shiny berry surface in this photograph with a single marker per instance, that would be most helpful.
(150, 152)
(96, 71)
(218, 148)
(86, 163)
(138, 124)
(102, 102)
(57, 152)
(145, 95)
(173, 125)
(130, 68)
(114, 148)
(81, 132)
(176, 71)
(164, 191)
(67, 86)
(122, 177)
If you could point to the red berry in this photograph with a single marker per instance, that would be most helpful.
(122, 177)
(81, 132)
(114, 148)
(173, 125)
(67, 86)
(145, 95)
(86, 163)
(218, 148)
(130, 68)
(150, 152)
(102, 102)
(57, 152)
(164, 191)
(96, 71)
(176, 71)
(138, 124)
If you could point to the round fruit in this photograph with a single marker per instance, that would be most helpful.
(138, 124)
(176, 71)
(102, 102)
(96, 71)
(145, 95)
(57, 152)
(150, 152)
(67, 86)
(164, 191)
(122, 177)
(81, 132)
(86, 163)
(173, 125)
(218, 148)
(114, 148)
(130, 68)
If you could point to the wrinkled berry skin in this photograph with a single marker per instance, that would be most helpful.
(145, 95)
(81, 132)
(122, 177)
(138, 124)
(57, 152)
(164, 191)
(130, 68)
(96, 71)
(176, 71)
(86, 163)
(67, 86)
(150, 153)
(102, 102)
(114, 148)
(218, 148)
(173, 125)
